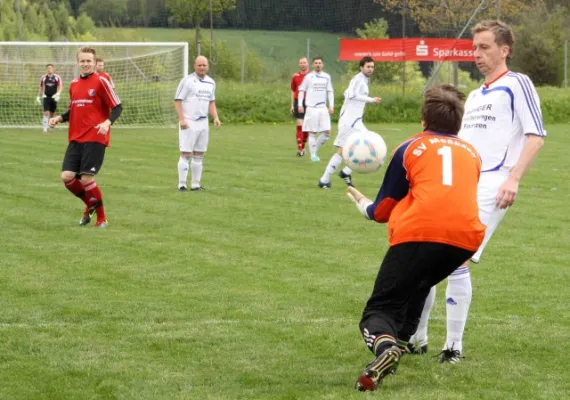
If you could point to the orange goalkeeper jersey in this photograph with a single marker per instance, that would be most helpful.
(429, 192)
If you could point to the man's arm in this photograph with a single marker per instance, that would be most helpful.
(180, 113)
(214, 113)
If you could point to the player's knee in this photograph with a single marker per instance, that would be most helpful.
(197, 159)
(87, 179)
(67, 176)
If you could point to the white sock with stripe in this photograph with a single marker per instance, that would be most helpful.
(421, 337)
(458, 300)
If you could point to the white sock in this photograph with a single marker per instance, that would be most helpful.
(45, 122)
(182, 171)
(313, 143)
(196, 167)
(421, 337)
(347, 170)
(322, 139)
(458, 299)
(331, 168)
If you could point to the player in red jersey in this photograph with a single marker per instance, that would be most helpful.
(99, 68)
(429, 199)
(94, 106)
(295, 83)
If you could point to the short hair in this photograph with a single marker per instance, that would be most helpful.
(49, 65)
(99, 59)
(442, 109)
(504, 35)
(87, 49)
(317, 58)
(365, 60)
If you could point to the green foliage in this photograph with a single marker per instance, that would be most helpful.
(194, 11)
(105, 12)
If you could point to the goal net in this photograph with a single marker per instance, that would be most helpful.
(145, 74)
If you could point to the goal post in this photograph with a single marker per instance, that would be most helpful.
(145, 74)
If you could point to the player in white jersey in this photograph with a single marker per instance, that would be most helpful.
(194, 99)
(350, 121)
(315, 91)
(503, 121)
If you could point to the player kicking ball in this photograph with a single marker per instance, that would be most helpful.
(429, 199)
(350, 121)
(94, 107)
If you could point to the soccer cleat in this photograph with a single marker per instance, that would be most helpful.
(377, 370)
(101, 224)
(87, 215)
(197, 189)
(301, 153)
(346, 178)
(182, 189)
(412, 349)
(315, 158)
(451, 356)
(324, 185)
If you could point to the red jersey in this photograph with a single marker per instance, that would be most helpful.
(108, 77)
(429, 193)
(91, 101)
(296, 82)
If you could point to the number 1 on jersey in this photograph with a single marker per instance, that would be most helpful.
(447, 169)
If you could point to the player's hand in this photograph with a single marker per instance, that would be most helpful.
(103, 127)
(292, 110)
(355, 196)
(331, 110)
(217, 122)
(507, 193)
(54, 121)
(56, 97)
(301, 109)
(39, 100)
(183, 124)
(377, 100)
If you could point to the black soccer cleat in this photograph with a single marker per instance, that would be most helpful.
(88, 213)
(324, 185)
(197, 189)
(182, 189)
(301, 153)
(451, 356)
(346, 178)
(377, 370)
(412, 349)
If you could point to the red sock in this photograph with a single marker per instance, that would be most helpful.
(94, 198)
(305, 138)
(76, 187)
(300, 142)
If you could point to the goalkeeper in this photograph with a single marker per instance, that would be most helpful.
(48, 94)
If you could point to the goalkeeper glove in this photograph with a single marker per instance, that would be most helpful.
(56, 97)
(39, 100)
(359, 200)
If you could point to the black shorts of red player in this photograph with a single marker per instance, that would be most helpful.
(50, 104)
(296, 112)
(84, 158)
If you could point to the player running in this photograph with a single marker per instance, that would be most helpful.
(503, 121)
(194, 99)
(314, 92)
(350, 121)
(429, 199)
(49, 93)
(295, 83)
(94, 107)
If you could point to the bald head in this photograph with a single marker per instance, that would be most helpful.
(304, 64)
(201, 66)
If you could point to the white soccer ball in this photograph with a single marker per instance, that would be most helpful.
(364, 152)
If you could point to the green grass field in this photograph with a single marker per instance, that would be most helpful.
(254, 288)
(278, 50)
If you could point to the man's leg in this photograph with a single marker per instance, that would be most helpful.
(186, 141)
(197, 164)
(91, 163)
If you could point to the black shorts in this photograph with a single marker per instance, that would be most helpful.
(50, 104)
(296, 112)
(84, 158)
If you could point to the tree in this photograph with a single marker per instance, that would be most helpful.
(450, 16)
(196, 11)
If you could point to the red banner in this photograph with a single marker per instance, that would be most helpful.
(418, 49)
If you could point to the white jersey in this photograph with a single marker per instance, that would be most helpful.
(316, 89)
(196, 95)
(355, 99)
(497, 118)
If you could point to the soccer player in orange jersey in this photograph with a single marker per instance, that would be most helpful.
(429, 199)
(94, 106)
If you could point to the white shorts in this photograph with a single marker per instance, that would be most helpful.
(344, 131)
(195, 138)
(489, 214)
(317, 119)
